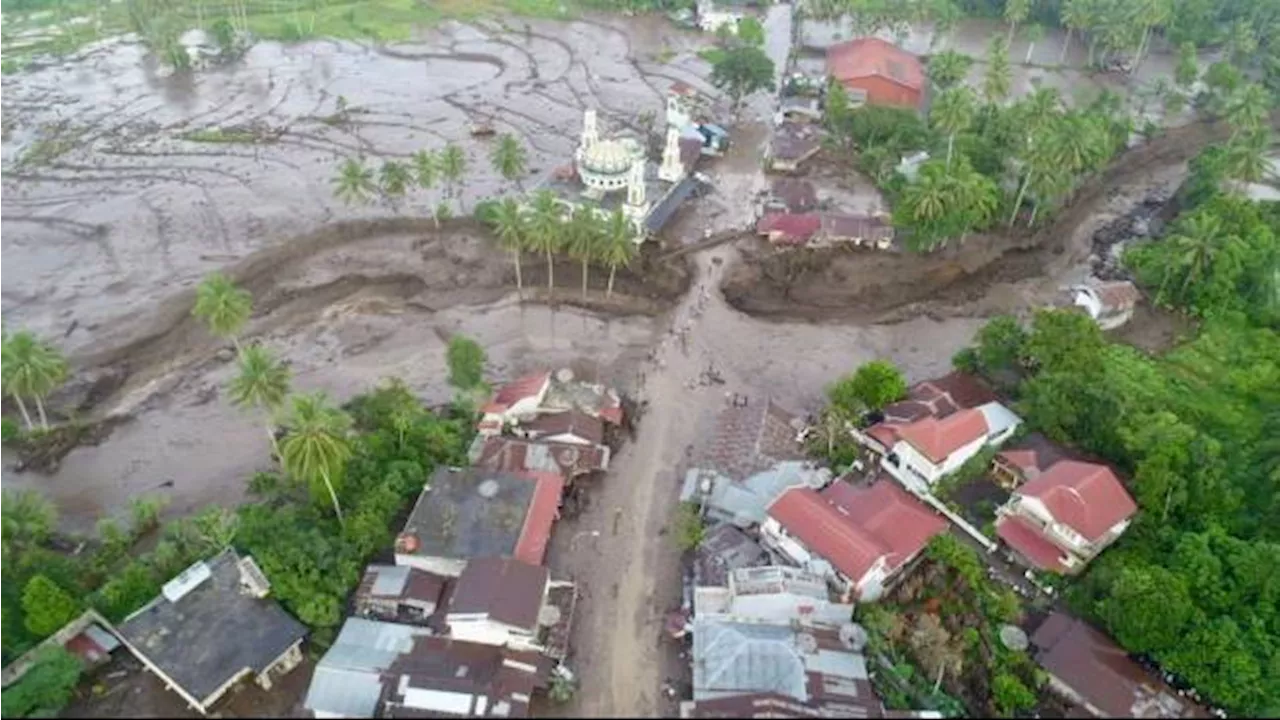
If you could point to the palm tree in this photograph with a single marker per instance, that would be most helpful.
(316, 449)
(354, 181)
(26, 517)
(1195, 243)
(509, 159)
(1149, 13)
(426, 169)
(584, 239)
(1015, 11)
(545, 228)
(1035, 33)
(509, 224)
(1042, 157)
(619, 245)
(453, 166)
(999, 77)
(1245, 158)
(953, 113)
(948, 68)
(1076, 16)
(263, 383)
(1081, 142)
(32, 369)
(223, 307)
(1242, 42)
(1247, 109)
(394, 178)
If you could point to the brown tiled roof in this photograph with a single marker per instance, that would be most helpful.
(1117, 295)
(750, 439)
(840, 226)
(517, 390)
(1101, 672)
(798, 195)
(789, 228)
(507, 590)
(940, 397)
(1087, 497)
(573, 422)
(889, 514)
(871, 56)
(937, 439)
(491, 674)
(725, 548)
(1033, 454)
(1030, 544)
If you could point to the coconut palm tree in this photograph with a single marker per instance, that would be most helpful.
(1149, 13)
(223, 307)
(1247, 109)
(315, 448)
(426, 171)
(583, 244)
(619, 245)
(354, 181)
(510, 159)
(1244, 158)
(953, 113)
(545, 230)
(1081, 142)
(511, 228)
(999, 76)
(948, 68)
(1077, 16)
(263, 383)
(27, 517)
(31, 369)
(394, 178)
(1042, 157)
(1195, 243)
(1242, 42)
(453, 166)
(1035, 33)
(1015, 11)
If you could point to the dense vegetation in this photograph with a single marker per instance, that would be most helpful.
(1192, 583)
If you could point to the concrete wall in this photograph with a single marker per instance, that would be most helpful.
(438, 565)
(885, 92)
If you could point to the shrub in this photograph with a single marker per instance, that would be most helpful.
(46, 606)
(45, 688)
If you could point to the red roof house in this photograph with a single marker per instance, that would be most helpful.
(789, 228)
(878, 71)
(937, 439)
(541, 516)
(865, 534)
(1066, 515)
(518, 392)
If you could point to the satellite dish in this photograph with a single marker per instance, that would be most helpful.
(549, 615)
(569, 456)
(564, 375)
(1014, 638)
(488, 489)
(853, 636)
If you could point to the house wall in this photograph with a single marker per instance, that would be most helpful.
(1113, 320)
(872, 585)
(915, 463)
(288, 660)
(881, 91)
(774, 536)
(449, 567)
(710, 18)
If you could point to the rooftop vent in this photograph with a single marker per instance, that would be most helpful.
(1013, 638)
(187, 580)
(488, 489)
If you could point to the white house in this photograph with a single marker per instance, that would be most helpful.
(929, 448)
(517, 399)
(1110, 304)
(711, 16)
(499, 601)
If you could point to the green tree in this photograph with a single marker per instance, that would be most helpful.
(741, 71)
(26, 518)
(689, 527)
(1196, 242)
(30, 369)
(1010, 695)
(1035, 33)
(46, 687)
(509, 159)
(948, 68)
(1247, 109)
(453, 167)
(1063, 341)
(1187, 71)
(465, 359)
(1001, 345)
(545, 230)
(583, 233)
(223, 307)
(354, 181)
(952, 113)
(262, 383)
(1242, 42)
(395, 179)
(750, 32)
(316, 445)
(1077, 16)
(1148, 608)
(872, 386)
(998, 77)
(619, 245)
(512, 231)
(1244, 157)
(1015, 11)
(426, 170)
(47, 607)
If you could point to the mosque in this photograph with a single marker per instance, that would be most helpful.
(614, 172)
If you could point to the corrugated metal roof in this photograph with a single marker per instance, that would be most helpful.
(732, 658)
(389, 579)
(347, 679)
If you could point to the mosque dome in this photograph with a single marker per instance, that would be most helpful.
(609, 157)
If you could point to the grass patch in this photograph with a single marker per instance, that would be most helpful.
(712, 55)
(60, 141)
(227, 135)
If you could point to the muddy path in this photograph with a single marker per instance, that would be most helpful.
(993, 273)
